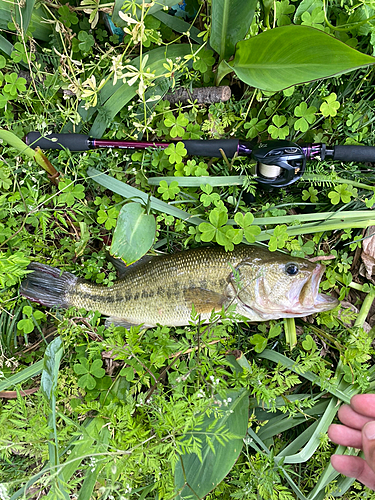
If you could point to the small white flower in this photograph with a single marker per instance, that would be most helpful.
(4, 492)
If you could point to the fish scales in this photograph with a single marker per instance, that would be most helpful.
(156, 291)
(162, 290)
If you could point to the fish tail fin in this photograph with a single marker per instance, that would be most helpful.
(47, 285)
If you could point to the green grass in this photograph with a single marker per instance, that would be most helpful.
(117, 409)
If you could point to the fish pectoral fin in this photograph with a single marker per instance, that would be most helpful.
(204, 300)
(113, 320)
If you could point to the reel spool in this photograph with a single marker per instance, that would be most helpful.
(279, 163)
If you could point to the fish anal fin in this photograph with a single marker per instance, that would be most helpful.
(113, 320)
(204, 300)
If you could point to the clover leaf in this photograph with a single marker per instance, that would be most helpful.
(307, 116)
(168, 192)
(217, 230)
(67, 17)
(86, 41)
(27, 325)
(175, 152)
(342, 193)
(14, 84)
(245, 222)
(107, 217)
(87, 372)
(330, 107)
(310, 194)
(176, 124)
(309, 344)
(255, 127)
(278, 130)
(279, 238)
(204, 60)
(260, 342)
(70, 192)
(208, 197)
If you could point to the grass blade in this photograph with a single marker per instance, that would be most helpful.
(220, 180)
(6, 46)
(22, 376)
(179, 25)
(318, 228)
(329, 474)
(291, 365)
(133, 193)
(52, 358)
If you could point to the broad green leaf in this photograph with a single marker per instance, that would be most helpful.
(290, 55)
(35, 17)
(50, 372)
(178, 25)
(195, 478)
(230, 21)
(17, 143)
(134, 233)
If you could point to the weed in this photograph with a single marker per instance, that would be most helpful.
(131, 413)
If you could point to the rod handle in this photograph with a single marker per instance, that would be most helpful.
(354, 153)
(74, 142)
(211, 148)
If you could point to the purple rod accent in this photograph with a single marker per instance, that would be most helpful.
(245, 148)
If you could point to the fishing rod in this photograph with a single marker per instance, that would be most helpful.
(279, 163)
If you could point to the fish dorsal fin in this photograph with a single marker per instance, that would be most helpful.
(122, 269)
(204, 300)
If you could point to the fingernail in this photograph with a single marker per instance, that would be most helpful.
(369, 430)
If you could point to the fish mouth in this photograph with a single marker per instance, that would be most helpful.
(302, 300)
(309, 298)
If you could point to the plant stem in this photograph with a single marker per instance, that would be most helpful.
(290, 332)
(365, 308)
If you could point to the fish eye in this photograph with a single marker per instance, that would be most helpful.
(291, 269)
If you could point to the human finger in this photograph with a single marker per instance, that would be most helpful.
(346, 436)
(368, 443)
(364, 404)
(354, 467)
(351, 418)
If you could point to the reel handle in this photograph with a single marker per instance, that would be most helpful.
(74, 142)
(82, 142)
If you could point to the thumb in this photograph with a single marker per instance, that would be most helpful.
(368, 443)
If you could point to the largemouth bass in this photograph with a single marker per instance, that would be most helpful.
(262, 285)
